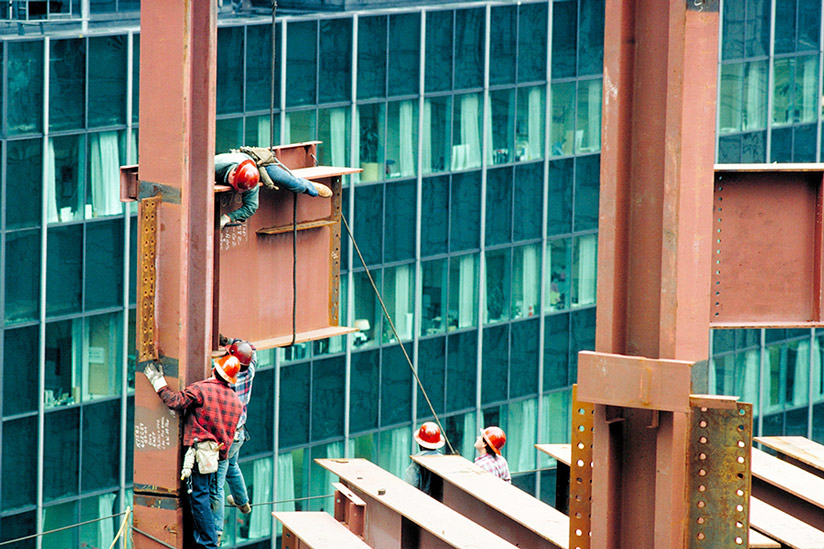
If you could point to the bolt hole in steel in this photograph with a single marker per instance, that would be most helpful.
(740, 443)
(742, 412)
(702, 423)
(701, 504)
(577, 515)
(580, 445)
(740, 493)
(580, 463)
(702, 472)
(741, 427)
(739, 524)
(739, 541)
(700, 535)
(700, 520)
(581, 411)
(739, 508)
(702, 488)
(581, 428)
(579, 532)
(579, 480)
(702, 456)
(741, 476)
(740, 459)
(702, 440)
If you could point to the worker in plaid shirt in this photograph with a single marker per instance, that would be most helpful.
(489, 446)
(228, 472)
(211, 414)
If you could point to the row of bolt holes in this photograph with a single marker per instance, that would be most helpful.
(703, 472)
(718, 251)
(578, 480)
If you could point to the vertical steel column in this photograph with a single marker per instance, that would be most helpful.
(177, 140)
(660, 74)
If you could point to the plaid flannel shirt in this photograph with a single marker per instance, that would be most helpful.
(212, 412)
(243, 387)
(494, 464)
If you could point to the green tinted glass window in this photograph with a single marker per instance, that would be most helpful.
(470, 26)
(335, 60)
(20, 488)
(301, 60)
(404, 53)
(439, 27)
(229, 59)
(107, 80)
(372, 50)
(24, 163)
(23, 281)
(67, 84)
(25, 87)
(61, 456)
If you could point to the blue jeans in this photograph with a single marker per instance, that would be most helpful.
(199, 502)
(228, 471)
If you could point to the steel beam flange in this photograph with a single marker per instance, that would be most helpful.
(719, 475)
(580, 474)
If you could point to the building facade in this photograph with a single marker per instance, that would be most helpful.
(477, 126)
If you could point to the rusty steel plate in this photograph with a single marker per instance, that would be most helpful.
(767, 246)
(719, 476)
(580, 474)
(147, 279)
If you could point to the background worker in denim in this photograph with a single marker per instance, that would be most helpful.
(228, 472)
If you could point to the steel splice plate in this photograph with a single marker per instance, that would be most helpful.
(719, 476)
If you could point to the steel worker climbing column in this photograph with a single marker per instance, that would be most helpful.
(655, 246)
(176, 221)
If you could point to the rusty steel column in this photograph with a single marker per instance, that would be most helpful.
(654, 259)
(175, 233)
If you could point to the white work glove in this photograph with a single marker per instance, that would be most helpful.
(188, 463)
(224, 219)
(154, 373)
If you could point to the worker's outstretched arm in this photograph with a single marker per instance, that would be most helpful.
(250, 205)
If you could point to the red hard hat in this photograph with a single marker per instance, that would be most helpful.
(495, 437)
(227, 367)
(242, 350)
(429, 436)
(245, 176)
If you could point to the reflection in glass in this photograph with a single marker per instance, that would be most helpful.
(402, 139)
(501, 125)
(526, 281)
(56, 517)
(497, 295)
(584, 263)
(370, 140)
(562, 126)
(466, 132)
(333, 132)
(520, 434)
(529, 134)
(433, 286)
(25, 86)
(24, 162)
(228, 134)
(100, 533)
(300, 126)
(557, 275)
(367, 321)
(258, 133)
(371, 57)
(67, 84)
(794, 89)
(463, 289)
(588, 128)
(399, 297)
(107, 80)
(743, 96)
(65, 175)
(107, 152)
(437, 122)
(23, 282)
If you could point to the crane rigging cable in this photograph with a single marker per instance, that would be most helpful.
(395, 333)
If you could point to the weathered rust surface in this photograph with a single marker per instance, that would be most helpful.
(580, 473)
(177, 132)
(719, 476)
(147, 279)
(160, 517)
(501, 508)
(654, 255)
(315, 530)
(634, 381)
(255, 264)
(767, 241)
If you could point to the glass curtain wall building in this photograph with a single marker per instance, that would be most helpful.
(477, 126)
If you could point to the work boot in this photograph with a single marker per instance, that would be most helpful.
(245, 508)
(323, 190)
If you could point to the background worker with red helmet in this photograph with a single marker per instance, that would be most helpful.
(228, 471)
(430, 442)
(489, 446)
(242, 171)
(211, 414)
